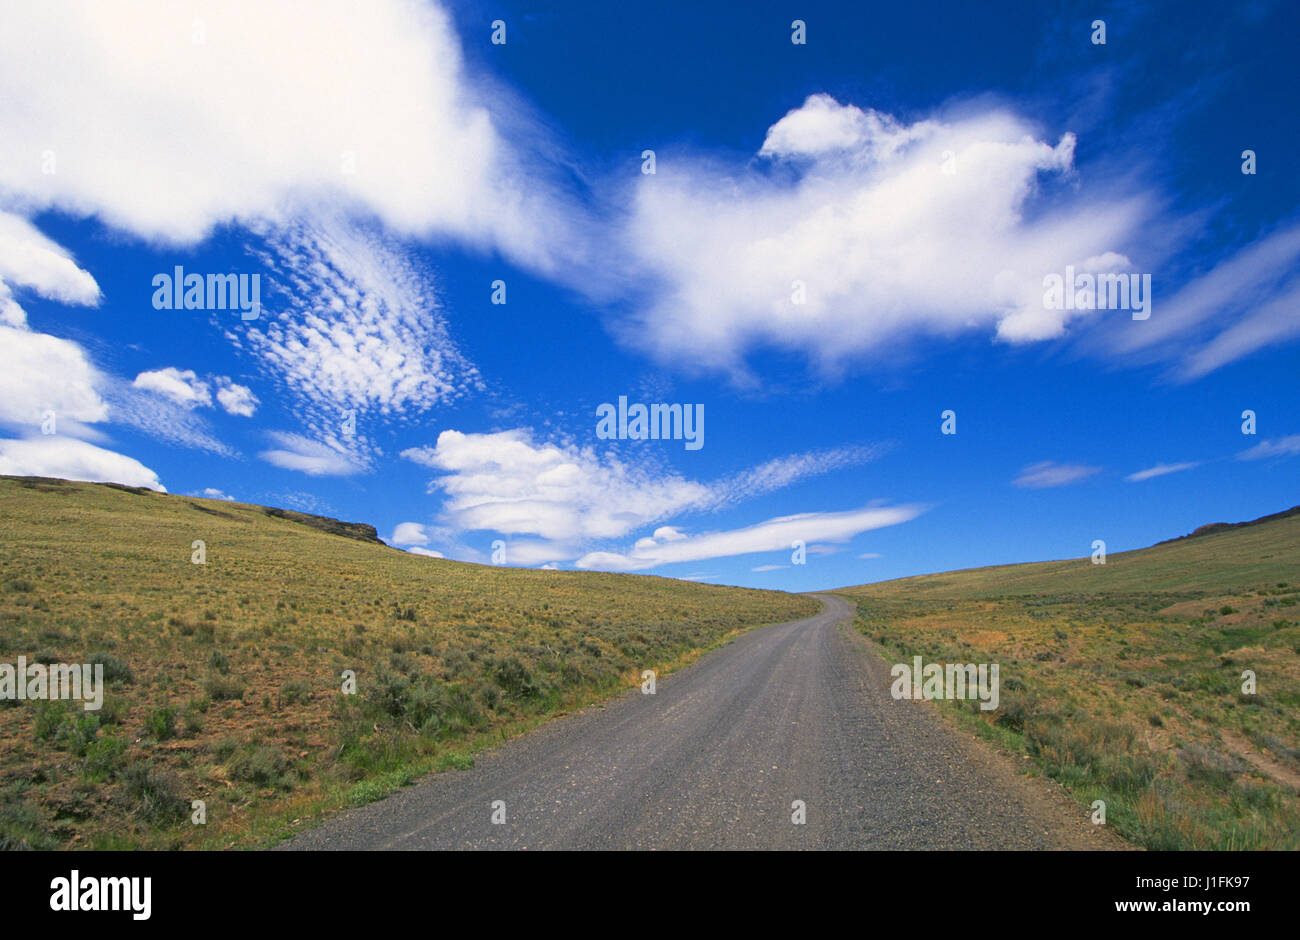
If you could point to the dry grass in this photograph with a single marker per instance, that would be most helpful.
(1123, 680)
(228, 685)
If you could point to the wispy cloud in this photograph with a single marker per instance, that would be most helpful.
(310, 457)
(1049, 474)
(1159, 470)
(1282, 447)
(1245, 302)
(773, 535)
(568, 496)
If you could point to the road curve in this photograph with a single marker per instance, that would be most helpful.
(716, 758)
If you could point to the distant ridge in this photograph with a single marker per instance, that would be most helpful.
(360, 531)
(352, 530)
(1213, 527)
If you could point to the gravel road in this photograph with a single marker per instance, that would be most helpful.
(716, 758)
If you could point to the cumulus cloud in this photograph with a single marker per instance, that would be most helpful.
(427, 552)
(182, 386)
(863, 221)
(274, 105)
(29, 260)
(40, 373)
(214, 493)
(409, 533)
(773, 535)
(1049, 474)
(236, 399)
(1159, 470)
(506, 483)
(566, 496)
(70, 459)
(822, 125)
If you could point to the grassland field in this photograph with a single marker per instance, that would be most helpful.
(1124, 680)
(225, 679)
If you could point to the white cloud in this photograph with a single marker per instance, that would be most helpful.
(30, 260)
(427, 552)
(822, 125)
(1159, 470)
(71, 459)
(236, 399)
(1255, 292)
(762, 568)
(183, 387)
(39, 372)
(355, 327)
(569, 497)
(161, 418)
(313, 458)
(1048, 474)
(785, 471)
(887, 244)
(772, 535)
(272, 105)
(213, 493)
(409, 533)
(505, 483)
(667, 533)
(1282, 447)
(870, 555)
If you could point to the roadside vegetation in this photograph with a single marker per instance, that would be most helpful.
(1124, 681)
(225, 679)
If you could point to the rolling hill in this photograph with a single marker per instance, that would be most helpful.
(226, 678)
(1128, 681)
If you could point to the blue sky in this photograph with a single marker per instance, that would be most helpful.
(841, 240)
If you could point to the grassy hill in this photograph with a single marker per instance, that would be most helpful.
(226, 677)
(1124, 681)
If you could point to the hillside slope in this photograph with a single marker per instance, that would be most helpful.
(1128, 681)
(226, 676)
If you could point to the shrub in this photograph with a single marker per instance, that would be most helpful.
(155, 793)
(263, 765)
(295, 693)
(48, 717)
(21, 827)
(115, 670)
(78, 731)
(515, 678)
(161, 723)
(104, 758)
(223, 688)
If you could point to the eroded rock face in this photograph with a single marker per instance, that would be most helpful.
(353, 530)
